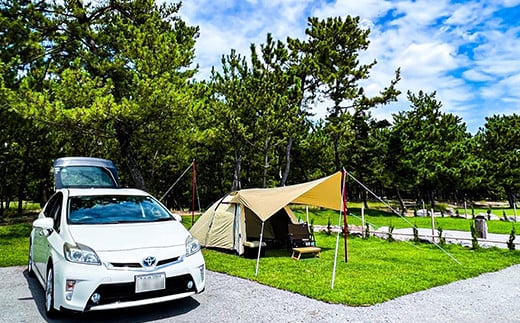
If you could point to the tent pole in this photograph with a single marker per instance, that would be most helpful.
(259, 249)
(307, 212)
(193, 186)
(345, 220)
(337, 237)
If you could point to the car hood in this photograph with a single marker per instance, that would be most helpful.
(131, 236)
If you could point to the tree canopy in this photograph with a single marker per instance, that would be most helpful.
(115, 79)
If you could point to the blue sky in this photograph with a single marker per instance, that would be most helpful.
(466, 51)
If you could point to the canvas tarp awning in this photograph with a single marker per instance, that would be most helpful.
(324, 192)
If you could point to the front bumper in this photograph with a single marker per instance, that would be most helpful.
(116, 286)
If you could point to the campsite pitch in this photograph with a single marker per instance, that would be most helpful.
(376, 271)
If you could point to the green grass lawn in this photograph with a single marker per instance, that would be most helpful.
(377, 270)
(14, 244)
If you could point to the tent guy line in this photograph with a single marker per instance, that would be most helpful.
(398, 214)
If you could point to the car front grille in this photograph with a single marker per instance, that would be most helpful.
(125, 292)
(123, 265)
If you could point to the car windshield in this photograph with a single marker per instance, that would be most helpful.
(115, 209)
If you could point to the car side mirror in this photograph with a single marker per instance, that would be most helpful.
(44, 223)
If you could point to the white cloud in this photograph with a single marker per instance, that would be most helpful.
(461, 50)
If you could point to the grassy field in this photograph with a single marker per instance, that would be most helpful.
(377, 270)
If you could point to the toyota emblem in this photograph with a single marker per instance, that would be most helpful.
(149, 261)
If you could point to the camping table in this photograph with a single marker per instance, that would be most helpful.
(297, 252)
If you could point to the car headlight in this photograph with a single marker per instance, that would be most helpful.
(80, 254)
(192, 246)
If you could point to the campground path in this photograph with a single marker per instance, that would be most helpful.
(491, 297)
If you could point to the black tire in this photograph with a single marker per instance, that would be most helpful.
(30, 263)
(50, 311)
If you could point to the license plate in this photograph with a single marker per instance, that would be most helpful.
(150, 282)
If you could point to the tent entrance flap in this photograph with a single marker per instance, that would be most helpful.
(275, 229)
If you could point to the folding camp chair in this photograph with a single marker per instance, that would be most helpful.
(300, 236)
(301, 241)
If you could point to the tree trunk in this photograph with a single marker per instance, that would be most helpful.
(510, 197)
(287, 162)
(365, 200)
(401, 202)
(22, 182)
(236, 171)
(336, 152)
(431, 196)
(124, 138)
(266, 163)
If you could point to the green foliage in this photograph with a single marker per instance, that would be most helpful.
(500, 143)
(415, 234)
(367, 231)
(115, 79)
(474, 237)
(424, 158)
(512, 236)
(442, 239)
(390, 233)
(329, 226)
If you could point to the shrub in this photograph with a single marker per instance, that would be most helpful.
(511, 243)
(390, 233)
(442, 239)
(415, 234)
(474, 237)
(329, 227)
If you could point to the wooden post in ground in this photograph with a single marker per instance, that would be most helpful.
(363, 221)
(433, 227)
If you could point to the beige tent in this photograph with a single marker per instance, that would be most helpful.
(253, 217)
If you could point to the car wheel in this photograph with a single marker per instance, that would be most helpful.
(50, 311)
(30, 263)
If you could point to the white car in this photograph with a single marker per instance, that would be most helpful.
(108, 248)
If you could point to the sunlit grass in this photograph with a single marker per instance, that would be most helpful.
(14, 244)
(376, 271)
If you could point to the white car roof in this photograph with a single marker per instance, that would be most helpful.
(104, 191)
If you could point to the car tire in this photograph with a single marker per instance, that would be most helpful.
(30, 262)
(50, 311)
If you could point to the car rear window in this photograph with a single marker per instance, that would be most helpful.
(84, 176)
(115, 209)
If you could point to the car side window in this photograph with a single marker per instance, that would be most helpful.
(53, 210)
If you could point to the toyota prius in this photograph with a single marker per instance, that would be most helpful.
(109, 248)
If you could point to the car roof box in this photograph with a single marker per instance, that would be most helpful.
(85, 172)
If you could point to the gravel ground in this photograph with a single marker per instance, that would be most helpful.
(491, 297)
